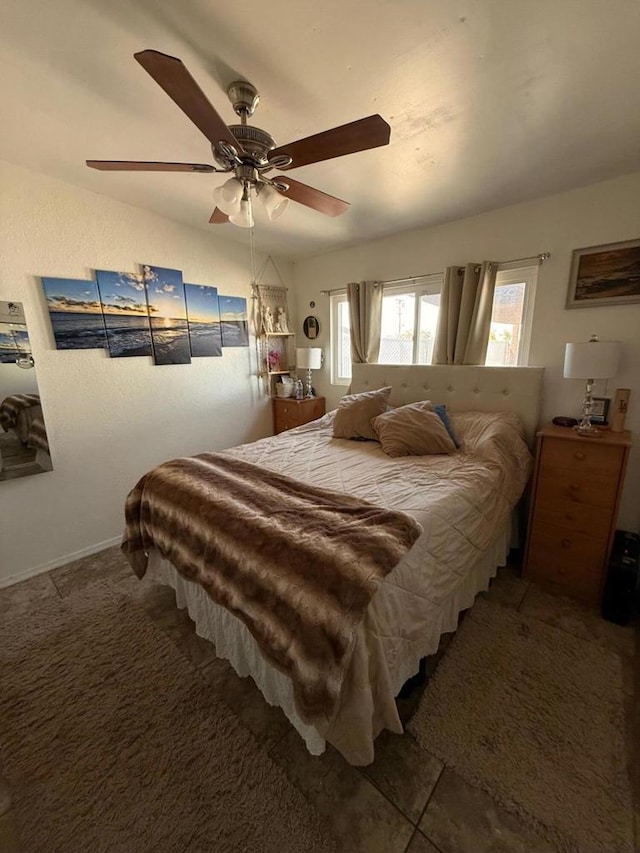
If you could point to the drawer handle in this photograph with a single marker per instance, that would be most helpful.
(580, 454)
(566, 543)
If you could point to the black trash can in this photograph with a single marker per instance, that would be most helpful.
(621, 590)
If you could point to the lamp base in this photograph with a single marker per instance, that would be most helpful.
(590, 430)
(585, 427)
(309, 392)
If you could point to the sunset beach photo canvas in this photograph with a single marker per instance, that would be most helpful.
(126, 316)
(233, 321)
(76, 313)
(168, 315)
(203, 313)
(8, 348)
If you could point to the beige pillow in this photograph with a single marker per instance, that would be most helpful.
(356, 411)
(412, 430)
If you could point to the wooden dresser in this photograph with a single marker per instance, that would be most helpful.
(574, 505)
(289, 413)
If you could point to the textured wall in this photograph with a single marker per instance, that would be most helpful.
(110, 420)
(602, 213)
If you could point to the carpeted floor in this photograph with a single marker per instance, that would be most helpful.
(111, 743)
(536, 718)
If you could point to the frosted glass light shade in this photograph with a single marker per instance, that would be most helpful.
(591, 360)
(244, 217)
(274, 203)
(309, 358)
(227, 197)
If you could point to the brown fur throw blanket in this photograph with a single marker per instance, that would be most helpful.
(298, 565)
(12, 406)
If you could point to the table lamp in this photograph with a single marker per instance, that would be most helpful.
(309, 358)
(590, 360)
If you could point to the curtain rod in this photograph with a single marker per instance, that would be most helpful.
(541, 258)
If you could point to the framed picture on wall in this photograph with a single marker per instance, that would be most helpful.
(600, 409)
(605, 275)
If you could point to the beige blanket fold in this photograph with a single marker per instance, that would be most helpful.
(297, 564)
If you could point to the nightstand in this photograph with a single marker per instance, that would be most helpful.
(289, 413)
(574, 505)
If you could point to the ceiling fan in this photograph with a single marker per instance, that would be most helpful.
(249, 152)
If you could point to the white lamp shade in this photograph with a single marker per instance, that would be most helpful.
(227, 197)
(591, 360)
(309, 358)
(274, 203)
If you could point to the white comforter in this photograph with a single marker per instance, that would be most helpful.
(463, 503)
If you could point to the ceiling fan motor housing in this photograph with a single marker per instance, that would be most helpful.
(244, 97)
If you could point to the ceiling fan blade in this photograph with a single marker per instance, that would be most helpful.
(370, 132)
(141, 166)
(303, 194)
(173, 77)
(218, 217)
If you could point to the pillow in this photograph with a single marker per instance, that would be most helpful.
(356, 411)
(441, 411)
(412, 430)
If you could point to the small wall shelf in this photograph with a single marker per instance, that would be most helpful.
(275, 346)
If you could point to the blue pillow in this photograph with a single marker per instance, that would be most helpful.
(441, 412)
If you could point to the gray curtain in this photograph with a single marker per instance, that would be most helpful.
(365, 310)
(464, 322)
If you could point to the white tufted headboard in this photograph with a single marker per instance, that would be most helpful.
(460, 387)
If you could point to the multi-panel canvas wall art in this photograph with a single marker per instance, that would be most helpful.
(233, 321)
(168, 315)
(126, 318)
(203, 315)
(131, 314)
(76, 313)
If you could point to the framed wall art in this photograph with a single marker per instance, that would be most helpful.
(168, 315)
(233, 320)
(126, 317)
(600, 410)
(75, 312)
(203, 313)
(605, 275)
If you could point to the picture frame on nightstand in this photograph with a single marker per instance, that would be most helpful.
(600, 410)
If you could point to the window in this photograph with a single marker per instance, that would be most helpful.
(405, 309)
(410, 318)
(511, 316)
(409, 321)
(340, 339)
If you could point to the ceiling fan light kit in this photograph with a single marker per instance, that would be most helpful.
(250, 152)
(243, 217)
(228, 196)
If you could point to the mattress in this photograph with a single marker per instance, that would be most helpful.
(463, 503)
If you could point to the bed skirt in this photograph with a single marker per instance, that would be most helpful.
(233, 642)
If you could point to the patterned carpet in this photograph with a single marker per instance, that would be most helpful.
(110, 742)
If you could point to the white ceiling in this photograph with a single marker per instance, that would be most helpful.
(490, 102)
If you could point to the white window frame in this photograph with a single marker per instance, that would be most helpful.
(337, 297)
(428, 286)
(513, 273)
(424, 285)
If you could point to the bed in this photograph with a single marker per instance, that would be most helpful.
(463, 504)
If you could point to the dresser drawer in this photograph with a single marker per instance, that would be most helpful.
(288, 410)
(574, 517)
(565, 485)
(587, 458)
(572, 562)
